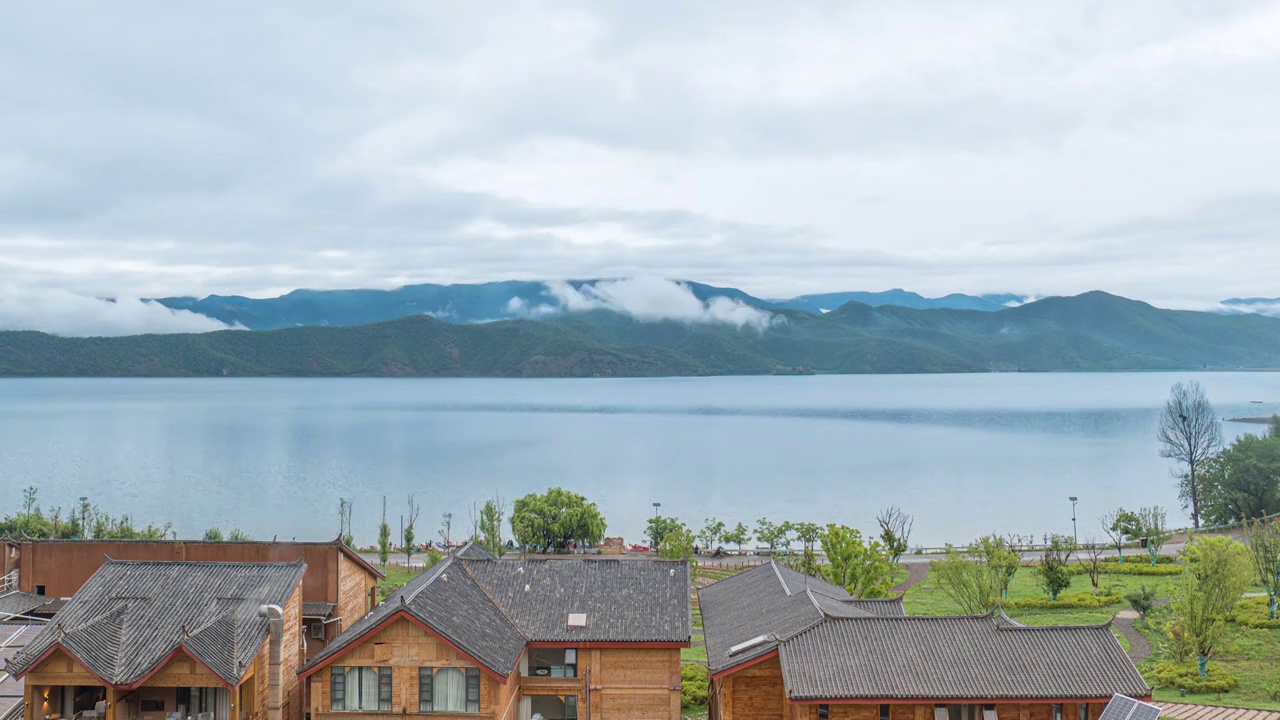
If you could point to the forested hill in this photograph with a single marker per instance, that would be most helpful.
(1094, 331)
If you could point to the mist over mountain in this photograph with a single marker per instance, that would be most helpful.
(645, 329)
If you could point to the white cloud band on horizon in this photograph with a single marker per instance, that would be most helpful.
(61, 312)
(651, 299)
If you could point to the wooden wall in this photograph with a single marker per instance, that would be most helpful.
(754, 693)
(354, 589)
(924, 711)
(632, 683)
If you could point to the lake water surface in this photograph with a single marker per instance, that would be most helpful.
(965, 454)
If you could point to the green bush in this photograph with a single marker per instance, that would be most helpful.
(693, 685)
(1139, 557)
(1141, 600)
(1184, 675)
(1143, 568)
(1255, 613)
(1065, 600)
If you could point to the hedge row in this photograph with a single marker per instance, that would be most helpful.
(1065, 600)
(1140, 557)
(1186, 676)
(1127, 569)
(1254, 612)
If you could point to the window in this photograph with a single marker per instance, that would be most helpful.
(1082, 711)
(360, 688)
(824, 712)
(553, 662)
(1057, 711)
(317, 631)
(554, 707)
(884, 712)
(988, 712)
(39, 589)
(448, 689)
(939, 712)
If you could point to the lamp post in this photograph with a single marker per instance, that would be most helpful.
(655, 509)
(1074, 533)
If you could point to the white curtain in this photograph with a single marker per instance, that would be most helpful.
(222, 704)
(368, 688)
(449, 690)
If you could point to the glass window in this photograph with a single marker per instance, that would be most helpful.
(553, 662)
(940, 712)
(554, 707)
(365, 689)
(988, 712)
(884, 712)
(1082, 711)
(449, 689)
(824, 712)
(1057, 711)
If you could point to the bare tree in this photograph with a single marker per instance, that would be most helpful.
(1092, 562)
(1189, 434)
(408, 532)
(895, 530)
(446, 529)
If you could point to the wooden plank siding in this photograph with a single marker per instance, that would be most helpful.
(626, 683)
(354, 593)
(757, 693)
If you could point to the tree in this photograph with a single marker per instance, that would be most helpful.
(860, 567)
(808, 534)
(1119, 524)
(446, 529)
(344, 521)
(1001, 559)
(678, 545)
(774, 536)
(491, 515)
(1093, 563)
(213, 534)
(1218, 571)
(712, 533)
(1264, 548)
(895, 530)
(1153, 529)
(658, 527)
(967, 580)
(1053, 574)
(740, 535)
(1242, 481)
(384, 537)
(1142, 600)
(238, 535)
(555, 519)
(410, 520)
(1189, 434)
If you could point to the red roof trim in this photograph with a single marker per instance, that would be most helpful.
(742, 666)
(954, 701)
(610, 644)
(360, 561)
(129, 686)
(373, 630)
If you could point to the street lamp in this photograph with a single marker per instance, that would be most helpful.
(1074, 534)
(655, 509)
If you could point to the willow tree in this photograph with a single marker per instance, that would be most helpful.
(1189, 434)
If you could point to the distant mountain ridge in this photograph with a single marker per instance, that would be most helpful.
(505, 300)
(1090, 332)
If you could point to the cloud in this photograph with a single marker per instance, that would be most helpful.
(65, 313)
(651, 299)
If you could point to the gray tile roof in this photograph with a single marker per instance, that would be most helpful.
(474, 551)
(130, 616)
(318, 609)
(624, 600)
(482, 607)
(16, 602)
(13, 638)
(971, 657)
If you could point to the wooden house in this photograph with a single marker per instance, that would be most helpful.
(784, 646)
(477, 637)
(170, 641)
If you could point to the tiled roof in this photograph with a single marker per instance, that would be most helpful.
(16, 602)
(13, 638)
(318, 609)
(624, 600)
(130, 616)
(474, 551)
(968, 657)
(449, 601)
(483, 608)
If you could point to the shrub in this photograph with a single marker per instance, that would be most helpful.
(693, 685)
(1142, 600)
(1065, 600)
(1139, 557)
(1184, 675)
(1128, 569)
(1253, 612)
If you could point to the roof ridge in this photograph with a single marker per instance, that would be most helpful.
(778, 574)
(430, 574)
(814, 600)
(494, 600)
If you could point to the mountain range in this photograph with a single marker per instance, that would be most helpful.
(1093, 331)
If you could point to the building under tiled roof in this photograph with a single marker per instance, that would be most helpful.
(474, 551)
(130, 616)
(833, 647)
(15, 602)
(983, 657)
(492, 609)
(318, 609)
(13, 637)
(753, 610)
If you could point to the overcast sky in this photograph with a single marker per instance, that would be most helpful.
(191, 148)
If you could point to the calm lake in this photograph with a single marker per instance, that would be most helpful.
(965, 454)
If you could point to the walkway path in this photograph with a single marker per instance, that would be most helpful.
(1179, 711)
(916, 573)
(1139, 648)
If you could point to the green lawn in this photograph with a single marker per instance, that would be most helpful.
(397, 575)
